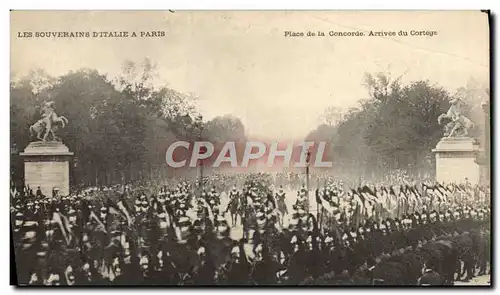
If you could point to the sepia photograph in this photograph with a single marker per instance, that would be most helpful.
(250, 148)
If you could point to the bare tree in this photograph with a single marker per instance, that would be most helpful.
(331, 116)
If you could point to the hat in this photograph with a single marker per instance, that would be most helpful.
(235, 250)
(328, 239)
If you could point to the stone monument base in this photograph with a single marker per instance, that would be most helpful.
(46, 165)
(456, 160)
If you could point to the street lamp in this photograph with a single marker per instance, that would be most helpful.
(198, 124)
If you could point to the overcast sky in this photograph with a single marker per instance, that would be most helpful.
(241, 63)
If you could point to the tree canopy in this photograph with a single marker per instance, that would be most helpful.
(396, 128)
(119, 129)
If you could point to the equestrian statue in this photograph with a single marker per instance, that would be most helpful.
(458, 125)
(48, 124)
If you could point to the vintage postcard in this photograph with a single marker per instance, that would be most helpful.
(250, 148)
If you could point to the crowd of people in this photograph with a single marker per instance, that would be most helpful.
(182, 234)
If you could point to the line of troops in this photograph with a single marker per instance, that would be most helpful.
(181, 237)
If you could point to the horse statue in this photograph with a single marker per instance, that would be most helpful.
(458, 125)
(48, 124)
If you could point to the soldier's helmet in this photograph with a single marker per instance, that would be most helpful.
(388, 224)
(353, 234)
(295, 242)
(72, 216)
(433, 216)
(407, 222)
(19, 220)
(423, 218)
(383, 228)
(397, 222)
(144, 205)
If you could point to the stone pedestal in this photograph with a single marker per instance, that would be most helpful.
(456, 160)
(46, 164)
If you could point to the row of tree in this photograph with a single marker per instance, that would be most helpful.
(396, 128)
(118, 128)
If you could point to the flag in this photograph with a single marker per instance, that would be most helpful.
(440, 194)
(369, 201)
(124, 209)
(360, 207)
(93, 216)
(209, 210)
(381, 204)
(63, 224)
(112, 208)
(318, 197)
(325, 204)
(13, 192)
(417, 198)
(417, 193)
(394, 203)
